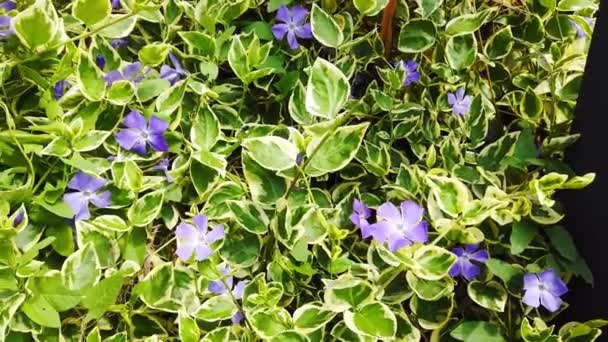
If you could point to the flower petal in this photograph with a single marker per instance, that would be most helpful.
(480, 256)
(135, 120)
(203, 252)
(390, 213)
(215, 234)
(113, 76)
(157, 125)
(131, 70)
(304, 31)
(291, 39)
(186, 233)
(102, 200)
(283, 14)
(76, 201)
(460, 93)
(532, 297)
(549, 301)
(366, 230)
(381, 230)
(8, 6)
(451, 99)
(553, 282)
(158, 142)
(82, 181)
(418, 233)
(216, 287)
(458, 251)
(237, 317)
(411, 212)
(185, 251)
(279, 31)
(201, 222)
(298, 14)
(469, 270)
(455, 270)
(129, 137)
(396, 242)
(531, 281)
(238, 289)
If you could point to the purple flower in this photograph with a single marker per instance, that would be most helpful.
(360, 216)
(299, 158)
(115, 43)
(170, 74)
(8, 6)
(6, 27)
(163, 165)
(60, 88)
(100, 61)
(397, 228)
(463, 265)
(217, 287)
(139, 133)
(87, 191)
(579, 30)
(115, 4)
(197, 240)
(544, 289)
(18, 218)
(131, 73)
(292, 25)
(412, 75)
(459, 102)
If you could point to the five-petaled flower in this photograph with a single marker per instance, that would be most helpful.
(138, 133)
(163, 165)
(60, 88)
(412, 75)
(544, 288)
(359, 217)
(464, 265)
(577, 27)
(197, 239)
(400, 228)
(172, 74)
(217, 287)
(459, 102)
(87, 191)
(292, 24)
(132, 72)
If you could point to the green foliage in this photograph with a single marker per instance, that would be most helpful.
(230, 214)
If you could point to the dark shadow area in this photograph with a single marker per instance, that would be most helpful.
(587, 209)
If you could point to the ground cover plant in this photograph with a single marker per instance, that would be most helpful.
(245, 170)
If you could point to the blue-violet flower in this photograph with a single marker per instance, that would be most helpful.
(139, 133)
(87, 191)
(544, 288)
(292, 24)
(197, 239)
(131, 73)
(400, 228)
(412, 75)
(172, 74)
(464, 265)
(359, 217)
(459, 102)
(163, 165)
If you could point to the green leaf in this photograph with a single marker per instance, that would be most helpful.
(41, 312)
(90, 79)
(272, 153)
(336, 151)
(327, 90)
(154, 54)
(467, 23)
(539, 333)
(429, 289)
(477, 331)
(490, 295)
(8, 310)
(576, 5)
(365, 6)
(51, 288)
(100, 297)
(122, 27)
(499, 44)
(90, 140)
(451, 195)
(433, 262)
(166, 288)
(562, 241)
(269, 322)
(417, 36)
(249, 216)
(120, 93)
(324, 28)
(461, 51)
(145, 209)
(110, 223)
(522, 234)
(64, 238)
(216, 309)
(91, 12)
(188, 329)
(237, 58)
(94, 335)
(511, 275)
(81, 269)
(310, 317)
(432, 314)
(531, 105)
(170, 99)
(205, 130)
(241, 248)
(199, 41)
(297, 105)
(149, 89)
(265, 186)
(345, 293)
(34, 26)
(374, 320)
(428, 7)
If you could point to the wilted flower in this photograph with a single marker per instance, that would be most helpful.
(18, 218)
(544, 288)
(163, 165)
(292, 25)
(172, 74)
(579, 30)
(100, 61)
(459, 102)
(87, 191)
(131, 73)
(115, 4)
(8, 6)
(60, 89)
(138, 133)
(397, 228)
(360, 216)
(299, 158)
(115, 43)
(464, 265)
(197, 239)
(412, 75)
